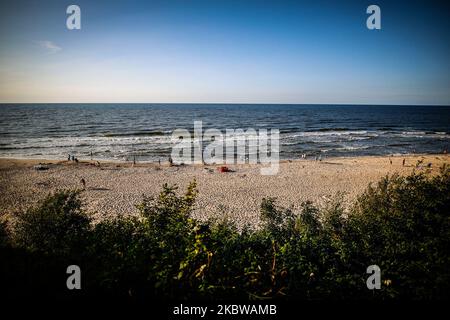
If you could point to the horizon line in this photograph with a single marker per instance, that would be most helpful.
(240, 103)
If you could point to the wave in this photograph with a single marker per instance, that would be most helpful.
(334, 133)
(352, 148)
(424, 134)
(135, 134)
(329, 129)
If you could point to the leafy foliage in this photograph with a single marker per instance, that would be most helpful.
(401, 224)
(57, 226)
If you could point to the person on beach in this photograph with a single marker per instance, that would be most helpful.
(170, 161)
(73, 158)
(83, 182)
(403, 164)
(68, 157)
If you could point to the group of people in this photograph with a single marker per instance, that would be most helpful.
(72, 158)
(403, 162)
(316, 158)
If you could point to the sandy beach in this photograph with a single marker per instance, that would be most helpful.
(115, 188)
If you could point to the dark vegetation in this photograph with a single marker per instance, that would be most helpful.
(402, 224)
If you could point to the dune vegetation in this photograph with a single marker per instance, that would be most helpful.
(401, 224)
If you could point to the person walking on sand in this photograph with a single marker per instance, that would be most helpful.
(170, 161)
(83, 182)
(390, 160)
(403, 163)
(68, 157)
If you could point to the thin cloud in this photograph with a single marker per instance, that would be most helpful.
(49, 46)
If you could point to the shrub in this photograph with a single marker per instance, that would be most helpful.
(56, 226)
(402, 224)
(119, 257)
(170, 231)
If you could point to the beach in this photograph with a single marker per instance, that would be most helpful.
(114, 188)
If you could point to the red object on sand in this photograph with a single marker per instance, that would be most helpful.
(223, 169)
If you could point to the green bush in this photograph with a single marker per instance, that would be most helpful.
(402, 224)
(119, 254)
(170, 231)
(57, 226)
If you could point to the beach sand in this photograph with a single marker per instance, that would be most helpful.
(115, 188)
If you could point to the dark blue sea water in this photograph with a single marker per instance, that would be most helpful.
(117, 131)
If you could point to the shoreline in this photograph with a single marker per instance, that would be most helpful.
(35, 161)
(115, 188)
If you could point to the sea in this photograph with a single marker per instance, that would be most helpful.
(121, 132)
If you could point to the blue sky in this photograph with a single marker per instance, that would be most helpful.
(225, 51)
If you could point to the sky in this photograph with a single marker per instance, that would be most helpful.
(225, 52)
